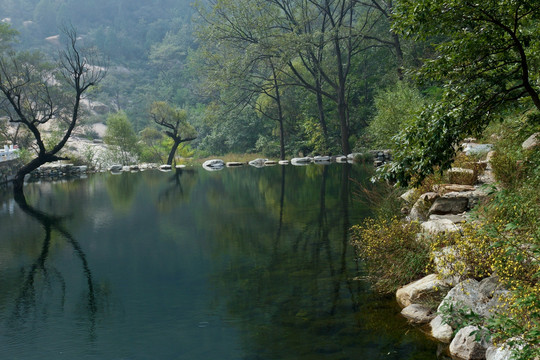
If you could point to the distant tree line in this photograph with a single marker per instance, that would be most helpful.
(290, 77)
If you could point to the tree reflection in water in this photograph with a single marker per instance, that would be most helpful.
(178, 190)
(40, 276)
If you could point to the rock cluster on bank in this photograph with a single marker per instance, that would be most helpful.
(444, 210)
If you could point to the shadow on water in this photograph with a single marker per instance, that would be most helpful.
(40, 274)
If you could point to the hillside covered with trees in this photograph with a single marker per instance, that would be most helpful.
(287, 77)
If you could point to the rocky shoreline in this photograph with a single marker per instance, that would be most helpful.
(442, 211)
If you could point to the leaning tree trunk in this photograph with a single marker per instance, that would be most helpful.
(18, 182)
(173, 151)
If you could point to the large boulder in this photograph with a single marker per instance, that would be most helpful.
(482, 298)
(532, 142)
(457, 202)
(461, 176)
(465, 346)
(449, 205)
(418, 314)
(419, 290)
(438, 226)
(440, 330)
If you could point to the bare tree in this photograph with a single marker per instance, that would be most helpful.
(36, 93)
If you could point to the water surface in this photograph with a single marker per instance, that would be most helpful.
(242, 263)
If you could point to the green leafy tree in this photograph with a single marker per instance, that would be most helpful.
(396, 108)
(175, 123)
(121, 136)
(152, 150)
(488, 61)
(242, 58)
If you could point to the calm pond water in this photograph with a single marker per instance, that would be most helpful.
(243, 263)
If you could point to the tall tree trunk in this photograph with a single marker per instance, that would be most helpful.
(280, 115)
(343, 121)
(342, 97)
(173, 151)
(322, 118)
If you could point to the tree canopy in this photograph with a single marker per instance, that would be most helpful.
(487, 61)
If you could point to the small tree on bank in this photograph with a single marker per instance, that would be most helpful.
(175, 123)
(122, 138)
(35, 93)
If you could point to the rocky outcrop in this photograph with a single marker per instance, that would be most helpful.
(465, 345)
(443, 211)
(480, 298)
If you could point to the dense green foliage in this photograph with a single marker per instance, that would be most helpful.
(396, 108)
(488, 61)
(122, 138)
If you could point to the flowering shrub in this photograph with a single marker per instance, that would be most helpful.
(391, 252)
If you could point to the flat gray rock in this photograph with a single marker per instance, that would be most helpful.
(449, 205)
(418, 314)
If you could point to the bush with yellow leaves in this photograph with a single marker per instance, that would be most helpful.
(391, 252)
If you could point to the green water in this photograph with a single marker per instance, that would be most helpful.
(243, 263)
